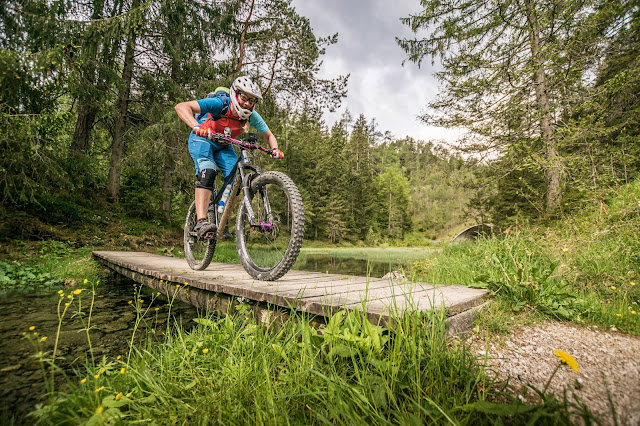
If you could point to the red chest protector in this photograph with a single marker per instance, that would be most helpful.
(228, 120)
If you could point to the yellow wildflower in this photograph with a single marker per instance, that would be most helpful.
(102, 370)
(97, 376)
(43, 338)
(157, 309)
(567, 359)
(83, 380)
(186, 283)
(33, 327)
(99, 389)
(205, 351)
(128, 395)
(69, 296)
(119, 356)
(85, 281)
(130, 302)
(122, 370)
(60, 292)
(632, 283)
(77, 291)
(564, 249)
(613, 287)
(67, 304)
(618, 315)
(99, 410)
(118, 396)
(633, 312)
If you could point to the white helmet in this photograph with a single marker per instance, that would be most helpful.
(243, 85)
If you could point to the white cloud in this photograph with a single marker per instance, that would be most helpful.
(379, 86)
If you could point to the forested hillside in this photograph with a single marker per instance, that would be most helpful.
(549, 94)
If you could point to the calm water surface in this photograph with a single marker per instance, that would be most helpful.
(374, 262)
(113, 319)
(344, 265)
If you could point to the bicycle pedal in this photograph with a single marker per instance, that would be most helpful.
(209, 235)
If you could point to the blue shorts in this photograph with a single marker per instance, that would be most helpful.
(207, 154)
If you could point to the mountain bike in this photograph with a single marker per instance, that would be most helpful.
(269, 221)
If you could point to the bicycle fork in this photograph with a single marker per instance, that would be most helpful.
(263, 225)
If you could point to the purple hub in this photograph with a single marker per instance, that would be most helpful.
(264, 226)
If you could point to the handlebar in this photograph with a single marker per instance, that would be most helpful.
(242, 143)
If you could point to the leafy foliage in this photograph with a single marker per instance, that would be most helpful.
(16, 275)
(528, 286)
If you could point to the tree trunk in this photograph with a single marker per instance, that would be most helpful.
(84, 122)
(172, 145)
(117, 149)
(552, 166)
(86, 111)
(241, 45)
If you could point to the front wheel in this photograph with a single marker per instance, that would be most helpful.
(270, 245)
(197, 251)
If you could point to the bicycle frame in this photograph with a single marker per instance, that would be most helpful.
(243, 167)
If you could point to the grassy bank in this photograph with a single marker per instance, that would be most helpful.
(234, 371)
(584, 268)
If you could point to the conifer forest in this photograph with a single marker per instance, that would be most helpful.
(547, 91)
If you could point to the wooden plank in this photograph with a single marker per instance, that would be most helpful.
(456, 299)
(312, 292)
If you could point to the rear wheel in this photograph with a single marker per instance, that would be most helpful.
(197, 251)
(271, 246)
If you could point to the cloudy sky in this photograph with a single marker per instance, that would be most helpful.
(380, 86)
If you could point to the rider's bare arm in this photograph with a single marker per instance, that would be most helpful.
(186, 110)
(273, 143)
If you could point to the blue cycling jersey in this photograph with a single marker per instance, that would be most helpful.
(215, 105)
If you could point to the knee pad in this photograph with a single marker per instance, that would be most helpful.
(206, 179)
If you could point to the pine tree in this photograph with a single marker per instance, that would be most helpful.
(510, 69)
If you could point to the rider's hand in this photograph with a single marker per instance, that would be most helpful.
(277, 154)
(201, 131)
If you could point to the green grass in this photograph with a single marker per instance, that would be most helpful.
(582, 269)
(47, 264)
(234, 371)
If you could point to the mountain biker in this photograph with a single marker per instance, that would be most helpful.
(209, 154)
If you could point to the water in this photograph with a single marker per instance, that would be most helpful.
(345, 265)
(113, 318)
(367, 261)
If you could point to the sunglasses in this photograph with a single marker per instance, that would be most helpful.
(248, 99)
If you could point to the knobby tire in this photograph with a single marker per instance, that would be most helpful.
(285, 200)
(197, 252)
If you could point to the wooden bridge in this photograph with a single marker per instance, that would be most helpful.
(311, 292)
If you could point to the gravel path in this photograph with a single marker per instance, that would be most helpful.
(607, 360)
